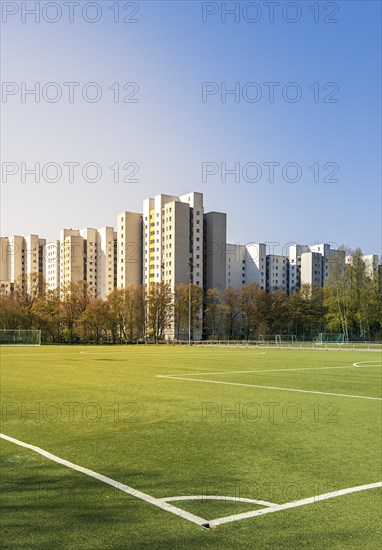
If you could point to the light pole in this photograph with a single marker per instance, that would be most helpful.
(189, 302)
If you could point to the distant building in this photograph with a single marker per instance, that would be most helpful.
(277, 273)
(246, 264)
(172, 241)
(82, 255)
(129, 249)
(20, 257)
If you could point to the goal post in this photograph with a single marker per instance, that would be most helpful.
(330, 338)
(278, 339)
(20, 337)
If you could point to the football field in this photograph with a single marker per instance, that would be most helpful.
(166, 447)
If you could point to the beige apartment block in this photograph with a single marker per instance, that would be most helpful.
(129, 249)
(173, 239)
(20, 257)
(85, 255)
(71, 258)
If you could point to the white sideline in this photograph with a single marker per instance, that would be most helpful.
(294, 504)
(273, 370)
(171, 377)
(219, 497)
(120, 486)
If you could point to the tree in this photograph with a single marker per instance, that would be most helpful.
(337, 293)
(307, 311)
(48, 316)
(180, 309)
(252, 308)
(94, 322)
(12, 315)
(280, 317)
(27, 290)
(75, 299)
(213, 314)
(160, 310)
(186, 319)
(231, 308)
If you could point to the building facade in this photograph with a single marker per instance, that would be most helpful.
(21, 259)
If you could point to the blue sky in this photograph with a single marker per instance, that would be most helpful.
(170, 132)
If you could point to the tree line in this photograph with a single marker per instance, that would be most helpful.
(349, 303)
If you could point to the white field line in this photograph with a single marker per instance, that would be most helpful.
(163, 503)
(120, 486)
(294, 504)
(221, 498)
(354, 365)
(270, 387)
(275, 370)
(363, 362)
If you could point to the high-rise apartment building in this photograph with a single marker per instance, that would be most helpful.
(173, 236)
(20, 258)
(311, 264)
(129, 251)
(246, 264)
(277, 277)
(174, 241)
(82, 255)
(52, 265)
(215, 251)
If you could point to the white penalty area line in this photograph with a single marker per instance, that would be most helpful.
(275, 370)
(159, 503)
(270, 387)
(355, 365)
(294, 504)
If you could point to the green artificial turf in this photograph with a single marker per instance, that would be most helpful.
(106, 408)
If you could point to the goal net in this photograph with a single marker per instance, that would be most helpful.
(330, 338)
(20, 337)
(278, 339)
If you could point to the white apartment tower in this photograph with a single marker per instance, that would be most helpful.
(311, 269)
(277, 273)
(246, 264)
(52, 265)
(311, 264)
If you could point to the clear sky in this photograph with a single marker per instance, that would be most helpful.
(328, 123)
